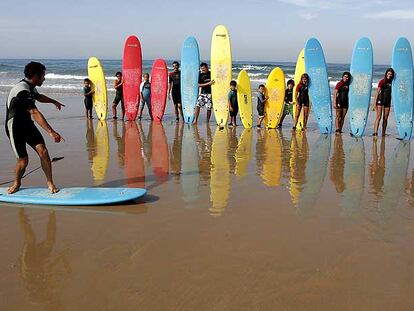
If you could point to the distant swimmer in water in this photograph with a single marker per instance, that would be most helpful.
(302, 100)
(288, 107)
(119, 95)
(382, 101)
(174, 90)
(204, 99)
(20, 128)
(341, 101)
(145, 89)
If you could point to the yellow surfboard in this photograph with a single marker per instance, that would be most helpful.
(101, 159)
(100, 97)
(275, 91)
(244, 152)
(272, 164)
(299, 70)
(244, 98)
(219, 173)
(221, 71)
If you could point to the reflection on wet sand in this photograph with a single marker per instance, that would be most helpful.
(337, 165)
(134, 162)
(299, 153)
(394, 181)
(176, 150)
(315, 172)
(190, 176)
(220, 173)
(120, 141)
(40, 270)
(354, 175)
(377, 168)
(101, 159)
(159, 152)
(233, 143)
(204, 146)
(272, 163)
(244, 152)
(90, 140)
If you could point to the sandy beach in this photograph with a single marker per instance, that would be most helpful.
(233, 220)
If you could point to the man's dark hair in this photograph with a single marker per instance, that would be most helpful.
(86, 80)
(176, 63)
(261, 85)
(203, 65)
(118, 73)
(33, 68)
(233, 83)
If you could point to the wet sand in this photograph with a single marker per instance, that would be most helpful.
(234, 220)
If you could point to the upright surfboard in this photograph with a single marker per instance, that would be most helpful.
(159, 88)
(97, 77)
(221, 71)
(299, 70)
(244, 99)
(319, 90)
(360, 86)
(275, 91)
(132, 76)
(72, 196)
(100, 161)
(402, 87)
(190, 63)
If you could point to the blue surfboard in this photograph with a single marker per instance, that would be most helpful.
(72, 196)
(190, 64)
(402, 87)
(319, 90)
(361, 85)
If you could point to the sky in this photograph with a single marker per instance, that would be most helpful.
(260, 30)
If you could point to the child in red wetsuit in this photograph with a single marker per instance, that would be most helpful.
(382, 102)
(341, 101)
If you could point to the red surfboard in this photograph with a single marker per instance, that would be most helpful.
(134, 162)
(159, 88)
(132, 75)
(159, 152)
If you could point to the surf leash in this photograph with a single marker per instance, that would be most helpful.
(32, 171)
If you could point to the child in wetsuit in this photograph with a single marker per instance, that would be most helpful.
(341, 101)
(288, 107)
(261, 100)
(145, 89)
(233, 104)
(88, 101)
(302, 100)
(383, 101)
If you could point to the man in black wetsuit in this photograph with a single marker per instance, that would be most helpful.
(20, 128)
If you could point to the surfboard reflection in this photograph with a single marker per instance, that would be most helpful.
(100, 160)
(272, 164)
(299, 154)
(159, 152)
(244, 152)
(134, 162)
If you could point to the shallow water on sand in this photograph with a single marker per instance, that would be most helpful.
(234, 220)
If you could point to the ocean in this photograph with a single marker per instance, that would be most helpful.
(64, 76)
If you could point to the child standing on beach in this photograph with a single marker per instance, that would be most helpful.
(119, 96)
(340, 100)
(261, 100)
(232, 102)
(174, 90)
(288, 107)
(302, 100)
(145, 89)
(204, 99)
(88, 92)
(382, 102)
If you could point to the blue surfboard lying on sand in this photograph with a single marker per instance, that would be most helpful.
(190, 64)
(72, 196)
(360, 87)
(402, 87)
(319, 90)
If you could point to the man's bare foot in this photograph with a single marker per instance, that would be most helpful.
(14, 188)
(52, 188)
